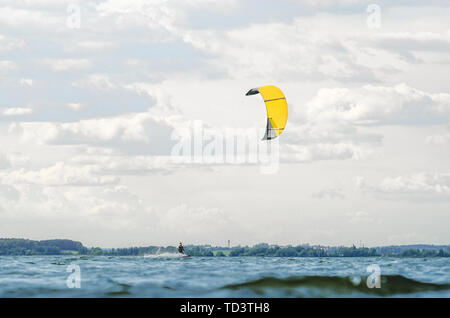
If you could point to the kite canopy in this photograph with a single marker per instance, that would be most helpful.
(277, 110)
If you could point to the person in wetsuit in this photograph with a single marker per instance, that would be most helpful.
(181, 248)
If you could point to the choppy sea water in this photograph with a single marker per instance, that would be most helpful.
(102, 276)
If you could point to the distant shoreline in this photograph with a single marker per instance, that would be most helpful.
(16, 247)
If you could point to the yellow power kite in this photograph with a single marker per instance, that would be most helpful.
(277, 109)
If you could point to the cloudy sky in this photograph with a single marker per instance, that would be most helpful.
(91, 93)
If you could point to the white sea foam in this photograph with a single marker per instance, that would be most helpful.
(165, 255)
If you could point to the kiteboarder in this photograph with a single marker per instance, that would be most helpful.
(181, 248)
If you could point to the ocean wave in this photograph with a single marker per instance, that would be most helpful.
(391, 285)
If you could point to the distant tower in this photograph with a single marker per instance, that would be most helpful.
(228, 243)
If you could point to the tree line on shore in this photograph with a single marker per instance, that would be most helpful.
(69, 247)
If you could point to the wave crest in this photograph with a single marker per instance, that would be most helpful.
(390, 285)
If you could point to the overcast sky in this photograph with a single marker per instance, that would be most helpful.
(92, 91)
